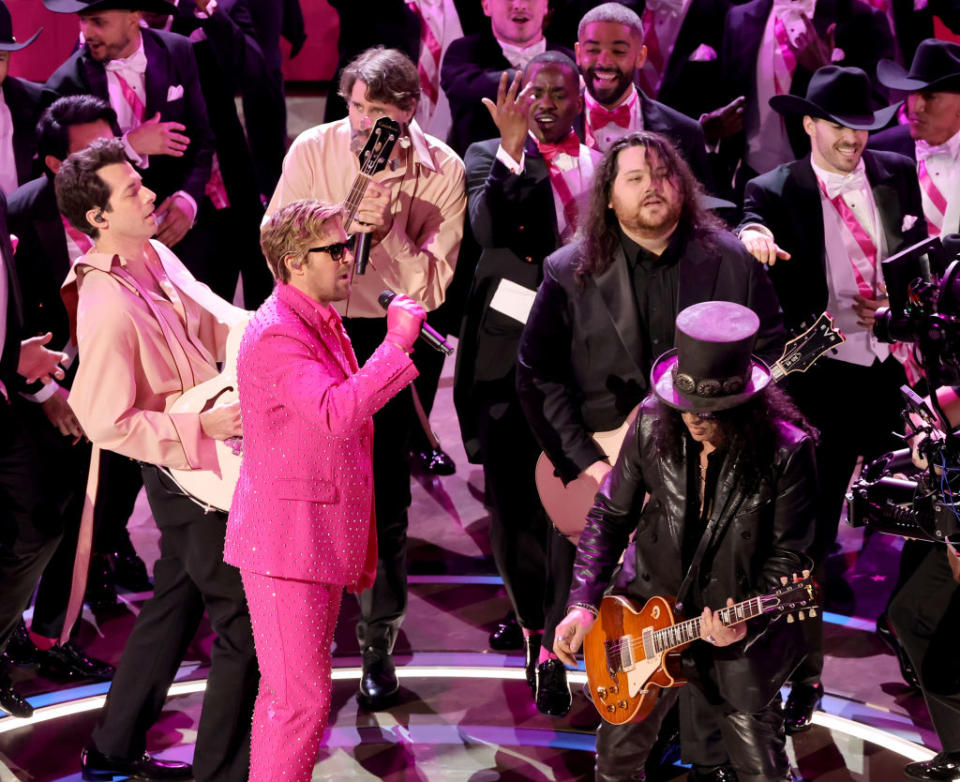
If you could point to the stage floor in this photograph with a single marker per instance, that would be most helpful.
(464, 712)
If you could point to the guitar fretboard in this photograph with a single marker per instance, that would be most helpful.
(354, 197)
(685, 632)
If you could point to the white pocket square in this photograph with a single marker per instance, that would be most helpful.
(908, 222)
(174, 92)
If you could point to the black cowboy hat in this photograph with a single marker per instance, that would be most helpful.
(7, 41)
(936, 64)
(713, 366)
(85, 6)
(841, 95)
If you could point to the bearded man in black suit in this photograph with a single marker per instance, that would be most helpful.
(823, 223)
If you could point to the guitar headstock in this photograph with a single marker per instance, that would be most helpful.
(798, 596)
(801, 351)
(376, 152)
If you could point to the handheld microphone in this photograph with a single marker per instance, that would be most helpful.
(427, 334)
(361, 252)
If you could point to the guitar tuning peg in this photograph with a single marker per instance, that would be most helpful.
(812, 612)
(801, 616)
(806, 574)
(784, 580)
(790, 619)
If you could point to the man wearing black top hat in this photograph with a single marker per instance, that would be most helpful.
(149, 77)
(19, 110)
(728, 464)
(823, 224)
(931, 136)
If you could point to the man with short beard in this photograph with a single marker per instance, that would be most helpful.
(414, 212)
(823, 224)
(607, 305)
(610, 52)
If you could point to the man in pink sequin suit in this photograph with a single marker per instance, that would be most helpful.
(301, 526)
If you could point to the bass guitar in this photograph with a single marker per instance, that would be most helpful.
(567, 506)
(631, 655)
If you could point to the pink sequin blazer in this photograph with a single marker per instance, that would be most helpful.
(303, 507)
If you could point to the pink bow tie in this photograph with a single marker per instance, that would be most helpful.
(600, 117)
(569, 146)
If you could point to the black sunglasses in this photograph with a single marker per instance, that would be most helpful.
(335, 251)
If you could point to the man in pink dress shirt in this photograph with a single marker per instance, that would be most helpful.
(146, 332)
(302, 525)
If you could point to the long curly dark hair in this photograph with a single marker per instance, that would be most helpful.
(749, 430)
(601, 227)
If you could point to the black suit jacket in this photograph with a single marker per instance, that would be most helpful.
(760, 532)
(513, 218)
(862, 33)
(10, 350)
(787, 201)
(25, 101)
(581, 367)
(170, 62)
(471, 71)
(683, 131)
(42, 260)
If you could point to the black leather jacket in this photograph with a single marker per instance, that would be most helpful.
(760, 534)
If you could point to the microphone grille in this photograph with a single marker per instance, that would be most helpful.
(385, 298)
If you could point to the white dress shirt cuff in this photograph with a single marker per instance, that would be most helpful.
(758, 228)
(191, 203)
(140, 161)
(511, 165)
(43, 394)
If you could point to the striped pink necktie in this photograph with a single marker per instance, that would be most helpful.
(82, 240)
(650, 78)
(131, 97)
(784, 65)
(429, 72)
(937, 200)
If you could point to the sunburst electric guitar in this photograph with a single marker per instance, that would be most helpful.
(567, 506)
(631, 655)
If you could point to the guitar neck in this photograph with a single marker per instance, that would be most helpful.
(354, 197)
(777, 372)
(685, 632)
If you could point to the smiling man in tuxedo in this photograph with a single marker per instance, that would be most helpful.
(823, 224)
(150, 79)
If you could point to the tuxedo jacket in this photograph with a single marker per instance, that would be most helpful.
(514, 220)
(170, 64)
(683, 131)
(787, 201)
(42, 259)
(471, 71)
(10, 349)
(25, 100)
(862, 33)
(580, 365)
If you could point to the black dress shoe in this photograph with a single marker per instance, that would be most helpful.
(378, 684)
(20, 649)
(101, 592)
(507, 637)
(68, 662)
(130, 572)
(907, 671)
(801, 703)
(12, 701)
(532, 655)
(944, 765)
(435, 461)
(97, 767)
(712, 774)
(553, 692)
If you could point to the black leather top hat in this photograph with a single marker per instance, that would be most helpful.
(85, 6)
(841, 95)
(7, 41)
(713, 366)
(936, 65)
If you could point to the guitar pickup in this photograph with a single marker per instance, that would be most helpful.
(619, 654)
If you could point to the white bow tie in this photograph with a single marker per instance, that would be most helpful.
(135, 63)
(665, 7)
(926, 151)
(840, 184)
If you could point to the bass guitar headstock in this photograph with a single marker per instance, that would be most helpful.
(797, 597)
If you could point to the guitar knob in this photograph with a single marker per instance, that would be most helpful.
(611, 708)
(622, 704)
(602, 693)
(614, 690)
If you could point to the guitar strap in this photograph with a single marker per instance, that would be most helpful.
(710, 532)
